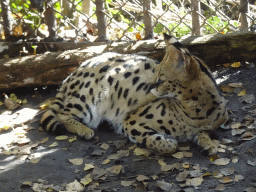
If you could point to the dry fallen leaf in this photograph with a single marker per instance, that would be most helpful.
(54, 144)
(87, 179)
(76, 161)
(104, 146)
(237, 131)
(221, 161)
(141, 151)
(220, 187)
(44, 140)
(115, 169)
(164, 185)
(120, 154)
(142, 178)
(238, 178)
(127, 183)
(74, 186)
(106, 161)
(226, 88)
(166, 168)
(35, 158)
(138, 36)
(182, 176)
(72, 139)
(98, 172)
(235, 84)
(194, 182)
(236, 64)
(242, 93)
(161, 162)
(226, 179)
(227, 171)
(178, 155)
(187, 154)
(88, 167)
(253, 163)
(248, 136)
(236, 125)
(61, 137)
(10, 103)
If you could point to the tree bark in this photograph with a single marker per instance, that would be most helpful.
(52, 68)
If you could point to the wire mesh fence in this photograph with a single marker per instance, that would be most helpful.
(121, 20)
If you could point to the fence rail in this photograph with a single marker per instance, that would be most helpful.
(122, 20)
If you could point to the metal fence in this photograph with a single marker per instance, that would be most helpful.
(122, 20)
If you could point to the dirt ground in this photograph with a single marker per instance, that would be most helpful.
(30, 162)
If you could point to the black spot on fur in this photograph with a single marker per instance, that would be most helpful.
(158, 138)
(91, 91)
(127, 74)
(137, 71)
(87, 84)
(104, 69)
(86, 74)
(194, 98)
(147, 66)
(127, 66)
(70, 105)
(126, 91)
(140, 86)
(145, 111)
(210, 111)
(117, 70)
(129, 102)
(92, 75)
(81, 85)
(120, 92)
(116, 85)
(149, 116)
(135, 80)
(59, 104)
(132, 122)
(165, 130)
(120, 60)
(117, 112)
(163, 109)
(110, 80)
(170, 122)
(80, 74)
(134, 132)
(160, 121)
(46, 121)
(82, 98)
(78, 107)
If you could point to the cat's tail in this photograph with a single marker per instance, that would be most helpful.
(50, 121)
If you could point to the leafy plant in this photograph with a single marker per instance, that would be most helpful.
(217, 23)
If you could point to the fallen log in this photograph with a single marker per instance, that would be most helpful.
(52, 68)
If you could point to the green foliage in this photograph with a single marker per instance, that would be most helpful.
(158, 28)
(179, 31)
(217, 23)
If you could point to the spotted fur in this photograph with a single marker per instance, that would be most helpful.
(156, 105)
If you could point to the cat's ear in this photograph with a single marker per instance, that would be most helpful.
(178, 61)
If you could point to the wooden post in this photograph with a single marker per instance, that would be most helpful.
(101, 18)
(6, 14)
(147, 6)
(195, 4)
(243, 10)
